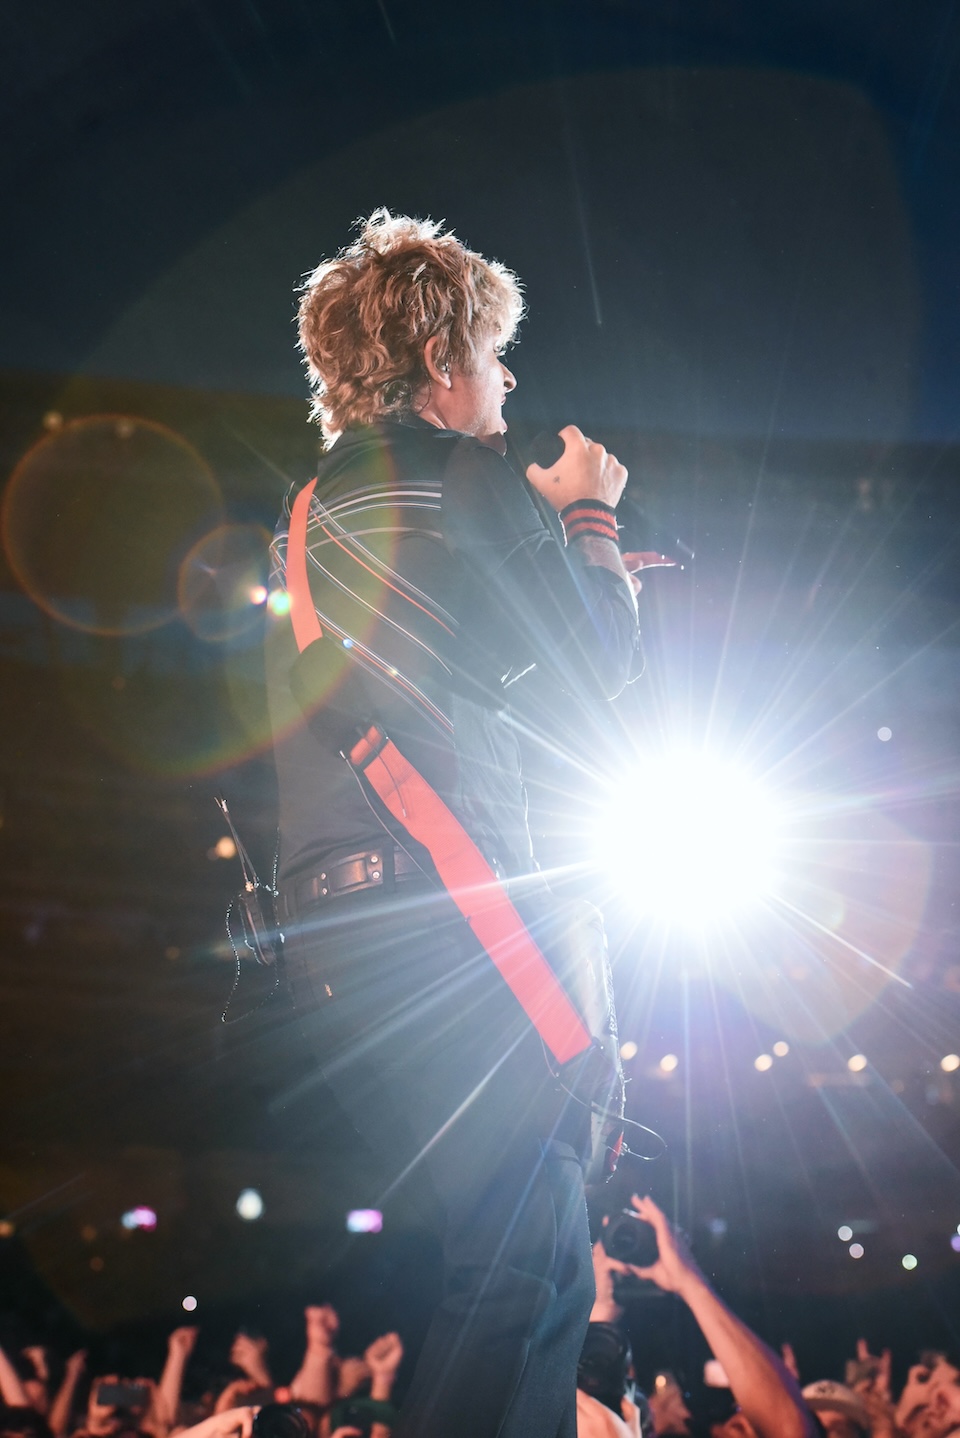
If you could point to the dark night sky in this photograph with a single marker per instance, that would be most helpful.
(729, 217)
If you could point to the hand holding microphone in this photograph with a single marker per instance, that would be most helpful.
(582, 470)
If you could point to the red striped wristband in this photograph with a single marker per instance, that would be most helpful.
(589, 517)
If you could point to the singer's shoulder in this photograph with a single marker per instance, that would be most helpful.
(484, 499)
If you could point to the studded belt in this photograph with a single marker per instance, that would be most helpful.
(371, 869)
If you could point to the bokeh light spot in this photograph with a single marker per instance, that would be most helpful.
(950, 1063)
(856, 1250)
(884, 734)
(781, 1048)
(189, 1304)
(762, 1062)
(668, 1063)
(909, 1261)
(856, 1063)
(628, 1050)
(250, 1205)
(844, 1233)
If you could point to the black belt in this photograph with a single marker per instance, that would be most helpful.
(371, 869)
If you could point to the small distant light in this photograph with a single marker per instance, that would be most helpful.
(856, 1250)
(225, 848)
(883, 734)
(668, 1063)
(125, 428)
(139, 1217)
(364, 1220)
(660, 1381)
(88, 1233)
(250, 1205)
(955, 1243)
(762, 1062)
(908, 1261)
(279, 602)
(171, 952)
(717, 1227)
(96, 1264)
(856, 1063)
(950, 1063)
(781, 1048)
(844, 1233)
(53, 420)
(348, 643)
(189, 1303)
(628, 1050)
(7, 1229)
(258, 594)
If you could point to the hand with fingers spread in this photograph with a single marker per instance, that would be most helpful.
(767, 1393)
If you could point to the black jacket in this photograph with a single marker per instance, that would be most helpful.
(446, 596)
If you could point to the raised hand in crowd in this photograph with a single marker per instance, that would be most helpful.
(12, 1391)
(383, 1358)
(180, 1345)
(62, 1406)
(316, 1381)
(37, 1386)
(869, 1377)
(104, 1419)
(249, 1353)
(770, 1402)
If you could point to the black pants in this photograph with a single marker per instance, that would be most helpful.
(430, 1055)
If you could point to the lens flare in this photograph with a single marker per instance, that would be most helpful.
(221, 581)
(97, 516)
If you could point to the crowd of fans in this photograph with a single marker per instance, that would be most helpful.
(352, 1396)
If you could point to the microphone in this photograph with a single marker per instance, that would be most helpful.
(546, 449)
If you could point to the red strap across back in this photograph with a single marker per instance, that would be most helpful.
(476, 891)
(465, 873)
(306, 625)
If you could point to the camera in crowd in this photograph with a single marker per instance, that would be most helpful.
(630, 1239)
(281, 1420)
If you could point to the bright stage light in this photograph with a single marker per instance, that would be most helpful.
(950, 1063)
(690, 837)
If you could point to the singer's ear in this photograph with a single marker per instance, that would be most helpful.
(439, 373)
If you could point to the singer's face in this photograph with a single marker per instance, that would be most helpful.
(477, 396)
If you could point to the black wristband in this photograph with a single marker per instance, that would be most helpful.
(589, 517)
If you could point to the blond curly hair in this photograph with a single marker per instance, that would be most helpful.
(366, 315)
